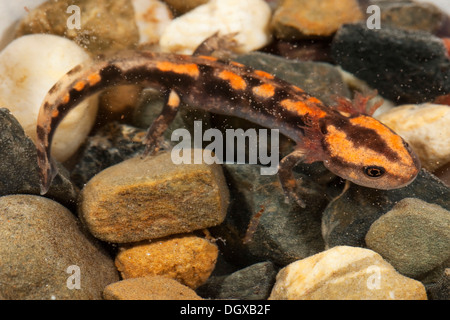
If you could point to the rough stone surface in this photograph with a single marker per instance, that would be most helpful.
(414, 236)
(141, 199)
(425, 127)
(347, 219)
(187, 259)
(284, 232)
(412, 15)
(41, 248)
(251, 283)
(345, 273)
(105, 24)
(405, 66)
(295, 19)
(18, 165)
(149, 288)
(441, 289)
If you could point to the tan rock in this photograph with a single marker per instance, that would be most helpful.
(344, 273)
(141, 199)
(187, 259)
(46, 254)
(425, 127)
(149, 288)
(306, 18)
(414, 236)
(104, 24)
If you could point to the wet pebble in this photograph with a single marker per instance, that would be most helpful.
(297, 19)
(347, 218)
(414, 236)
(19, 169)
(412, 15)
(25, 80)
(249, 20)
(103, 25)
(425, 128)
(405, 66)
(251, 283)
(149, 288)
(283, 233)
(345, 273)
(187, 259)
(147, 198)
(45, 253)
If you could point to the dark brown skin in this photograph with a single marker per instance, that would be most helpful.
(352, 145)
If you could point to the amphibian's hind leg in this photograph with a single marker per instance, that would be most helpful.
(290, 186)
(154, 136)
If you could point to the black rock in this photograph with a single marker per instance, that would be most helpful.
(19, 169)
(348, 218)
(405, 66)
(284, 233)
(112, 144)
(254, 282)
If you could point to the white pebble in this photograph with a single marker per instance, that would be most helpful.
(29, 67)
(152, 17)
(249, 19)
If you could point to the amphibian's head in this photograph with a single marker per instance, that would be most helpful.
(366, 152)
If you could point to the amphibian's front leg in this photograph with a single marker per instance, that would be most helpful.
(290, 186)
(154, 136)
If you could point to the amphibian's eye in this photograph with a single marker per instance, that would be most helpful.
(374, 171)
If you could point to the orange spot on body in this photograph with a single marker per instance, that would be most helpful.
(264, 90)
(301, 108)
(94, 78)
(237, 64)
(298, 89)
(314, 100)
(208, 58)
(79, 85)
(264, 74)
(235, 81)
(190, 69)
(174, 100)
(66, 98)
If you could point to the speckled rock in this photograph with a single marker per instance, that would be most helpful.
(412, 15)
(296, 19)
(405, 66)
(141, 199)
(414, 236)
(251, 283)
(187, 259)
(110, 145)
(441, 289)
(425, 127)
(249, 20)
(19, 168)
(347, 219)
(345, 273)
(149, 288)
(43, 249)
(104, 24)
